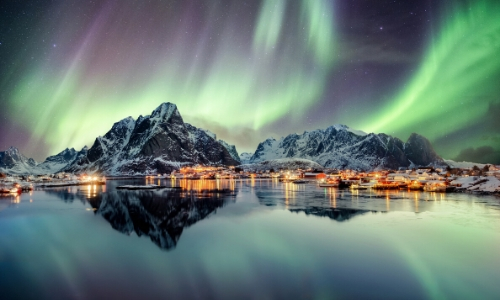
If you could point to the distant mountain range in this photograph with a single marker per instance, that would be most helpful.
(340, 147)
(161, 142)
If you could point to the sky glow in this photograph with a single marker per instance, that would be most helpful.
(252, 70)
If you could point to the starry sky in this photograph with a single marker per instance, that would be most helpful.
(249, 70)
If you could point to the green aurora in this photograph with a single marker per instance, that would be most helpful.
(71, 104)
(456, 82)
(246, 72)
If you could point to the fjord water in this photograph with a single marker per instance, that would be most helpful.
(247, 240)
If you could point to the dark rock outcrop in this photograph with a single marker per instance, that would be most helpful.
(419, 150)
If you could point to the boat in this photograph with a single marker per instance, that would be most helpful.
(329, 183)
(298, 181)
(356, 186)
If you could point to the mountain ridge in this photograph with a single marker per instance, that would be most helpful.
(162, 141)
(338, 146)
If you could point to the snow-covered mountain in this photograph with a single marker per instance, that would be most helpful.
(245, 157)
(157, 142)
(13, 162)
(55, 163)
(340, 147)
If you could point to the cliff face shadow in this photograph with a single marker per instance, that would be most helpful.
(162, 215)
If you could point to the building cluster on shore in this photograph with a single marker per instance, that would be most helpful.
(18, 184)
(486, 180)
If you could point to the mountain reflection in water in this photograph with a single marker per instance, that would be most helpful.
(160, 214)
(163, 214)
(337, 214)
(259, 239)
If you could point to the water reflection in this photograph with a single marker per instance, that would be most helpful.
(337, 214)
(307, 196)
(163, 214)
(160, 214)
(275, 241)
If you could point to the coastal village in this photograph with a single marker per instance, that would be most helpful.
(477, 180)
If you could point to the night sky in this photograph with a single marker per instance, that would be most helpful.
(249, 70)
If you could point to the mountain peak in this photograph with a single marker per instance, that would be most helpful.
(340, 127)
(164, 111)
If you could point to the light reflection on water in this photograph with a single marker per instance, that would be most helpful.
(247, 239)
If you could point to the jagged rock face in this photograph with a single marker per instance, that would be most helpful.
(340, 147)
(208, 150)
(159, 142)
(78, 162)
(161, 134)
(419, 150)
(12, 161)
(232, 151)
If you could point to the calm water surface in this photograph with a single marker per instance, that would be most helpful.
(247, 240)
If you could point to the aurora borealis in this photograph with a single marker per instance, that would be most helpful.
(248, 70)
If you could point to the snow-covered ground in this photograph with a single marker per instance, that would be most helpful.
(463, 164)
(488, 184)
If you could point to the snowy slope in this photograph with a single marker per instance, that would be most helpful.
(489, 184)
(245, 157)
(55, 163)
(463, 164)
